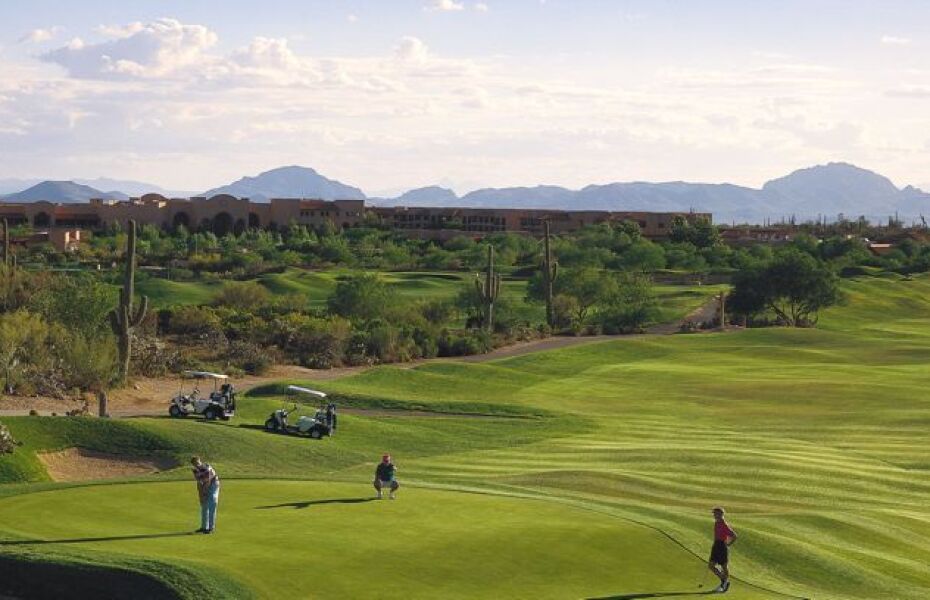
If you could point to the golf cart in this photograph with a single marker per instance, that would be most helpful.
(219, 404)
(322, 423)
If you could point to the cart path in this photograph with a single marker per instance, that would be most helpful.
(150, 397)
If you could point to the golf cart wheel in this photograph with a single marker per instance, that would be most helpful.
(316, 434)
(211, 414)
(175, 411)
(271, 425)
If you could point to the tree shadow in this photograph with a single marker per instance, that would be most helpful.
(642, 595)
(114, 538)
(309, 503)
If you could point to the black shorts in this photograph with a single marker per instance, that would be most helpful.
(719, 553)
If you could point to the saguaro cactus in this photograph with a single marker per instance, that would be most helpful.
(123, 318)
(6, 244)
(489, 289)
(722, 309)
(550, 272)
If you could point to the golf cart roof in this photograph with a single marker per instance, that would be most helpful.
(204, 375)
(303, 390)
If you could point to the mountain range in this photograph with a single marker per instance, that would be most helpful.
(827, 190)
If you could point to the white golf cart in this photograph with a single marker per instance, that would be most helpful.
(218, 404)
(321, 424)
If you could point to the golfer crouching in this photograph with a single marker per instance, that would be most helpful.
(208, 488)
(384, 476)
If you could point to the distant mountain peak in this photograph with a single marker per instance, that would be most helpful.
(292, 181)
(63, 192)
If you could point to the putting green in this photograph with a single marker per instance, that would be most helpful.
(306, 539)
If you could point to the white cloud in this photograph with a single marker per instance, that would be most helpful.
(892, 40)
(267, 53)
(120, 31)
(444, 5)
(352, 18)
(481, 7)
(158, 49)
(411, 49)
(910, 91)
(37, 36)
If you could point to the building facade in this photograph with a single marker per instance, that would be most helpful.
(224, 214)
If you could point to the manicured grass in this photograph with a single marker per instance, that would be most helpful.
(325, 540)
(162, 292)
(814, 441)
(675, 301)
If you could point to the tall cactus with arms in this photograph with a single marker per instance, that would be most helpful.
(489, 289)
(550, 272)
(123, 318)
(6, 244)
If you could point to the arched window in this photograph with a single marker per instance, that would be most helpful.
(42, 220)
(222, 224)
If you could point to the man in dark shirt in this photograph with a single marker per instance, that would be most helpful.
(384, 476)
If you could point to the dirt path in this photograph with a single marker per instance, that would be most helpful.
(148, 397)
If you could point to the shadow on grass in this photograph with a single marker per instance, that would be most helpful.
(310, 503)
(114, 538)
(651, 595)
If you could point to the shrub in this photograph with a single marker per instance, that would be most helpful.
(437, 312)
(24, 338)
(194, 319)
(320, 343)
(243, 295)
(249, 357)
(90, 364)
(151, 358)
(464, 343)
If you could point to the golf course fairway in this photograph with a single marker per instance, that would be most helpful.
(594, 478)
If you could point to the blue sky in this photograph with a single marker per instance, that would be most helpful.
(390, 95)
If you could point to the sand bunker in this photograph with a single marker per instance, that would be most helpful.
(78, 464)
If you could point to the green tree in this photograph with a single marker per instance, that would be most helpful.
(644, 256)
(361, 297)
(588, 287)
(631, 304)
(794, 286)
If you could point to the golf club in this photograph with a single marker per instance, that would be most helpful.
(704, 579)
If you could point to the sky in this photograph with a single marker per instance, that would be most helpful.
(389, 95)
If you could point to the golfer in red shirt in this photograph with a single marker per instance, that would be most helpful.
(720, 552)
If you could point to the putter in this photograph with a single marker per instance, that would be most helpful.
(704, 579)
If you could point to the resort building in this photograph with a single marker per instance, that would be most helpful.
(224, 214)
